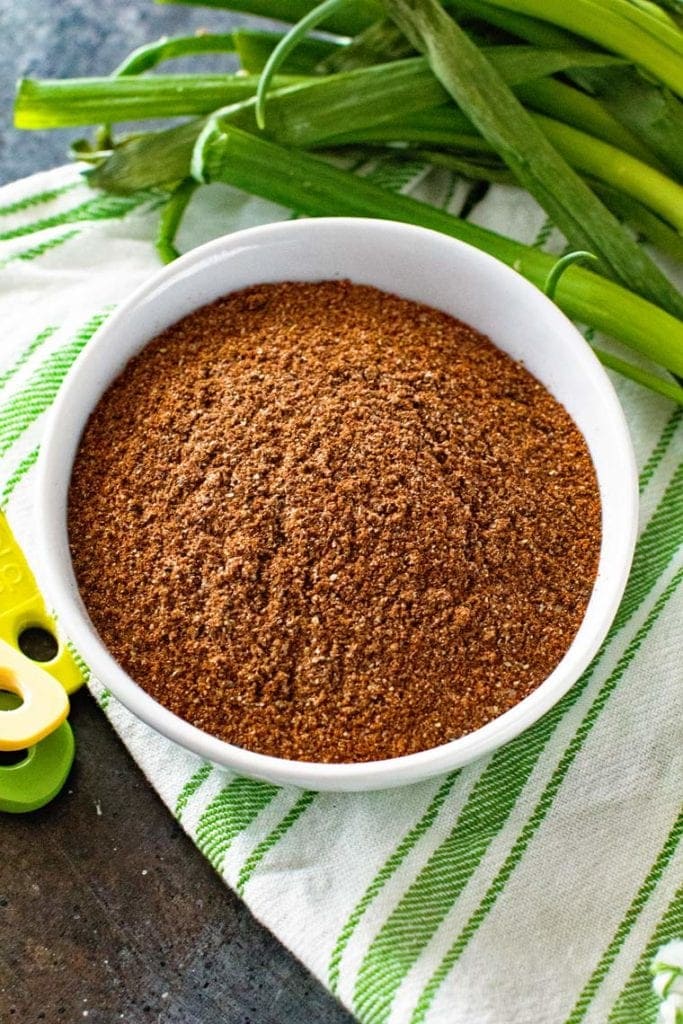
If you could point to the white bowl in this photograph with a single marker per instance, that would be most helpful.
(417, 264)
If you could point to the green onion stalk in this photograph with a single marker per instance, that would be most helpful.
(449, 129)
(647, 111)
(617, 26)
(170, 48)
(57, 103)
(374, 104)
(85, 101)
(351, 18)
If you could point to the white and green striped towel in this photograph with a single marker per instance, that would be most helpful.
(533, 887)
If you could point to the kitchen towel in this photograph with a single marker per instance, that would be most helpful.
(536, 886)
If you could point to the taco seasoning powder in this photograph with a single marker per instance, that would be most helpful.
(326, 523)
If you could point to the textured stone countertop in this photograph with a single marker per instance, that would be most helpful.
(107, 911)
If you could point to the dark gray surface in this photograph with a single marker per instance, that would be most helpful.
(113, 911)
(76, 38)
(106, 906)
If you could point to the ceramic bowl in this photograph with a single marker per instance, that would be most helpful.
(417, 264)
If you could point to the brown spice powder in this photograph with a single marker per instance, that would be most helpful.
(326, 523)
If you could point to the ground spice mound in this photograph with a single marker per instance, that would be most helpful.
(330, 524)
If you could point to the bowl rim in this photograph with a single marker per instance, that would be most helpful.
(58, 580)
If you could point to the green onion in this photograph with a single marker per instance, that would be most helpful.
(487, 100)
(641, 220)
(648, 379)
(540, 33)
(565, 103)
(310, 113)
(598, 154)
(564, 263)
(147, 57)
(80, 101)
(612, 24)
(606, 24)
(440, 127)
(448, 128)
(628, 210)
(614, 167)
(285, 46)
(649, 19)
(170, 219)
(384, 42)
(649, 112)
(352, 18)
(473, 167)
(379, 42)
(307, 114)
(304, 183)
(148, 161)
(255, 47)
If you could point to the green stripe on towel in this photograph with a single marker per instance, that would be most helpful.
(627, 923)
(541, 809)
(230, 813)
(40, 391)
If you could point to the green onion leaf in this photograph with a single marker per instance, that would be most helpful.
(474, 167)
(565, 103)
(641, 220)
(379, 42)
(564, 262)
(147, 57)
(56, 103)
(285, 46)
(618, 27)
(352, 18)
(651, 113)
(611, 165)
(171, 216)
(254, 47)
(540, 33)
(159, 159)
(648, 379)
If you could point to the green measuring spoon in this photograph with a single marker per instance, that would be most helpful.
(38, 777)
(35, 779)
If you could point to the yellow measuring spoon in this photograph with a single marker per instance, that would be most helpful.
(44, 703)
(40, 703)
(33, 693)
(22, 609)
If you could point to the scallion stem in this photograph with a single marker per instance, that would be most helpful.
(540, 33)
(642, 220)
(604, 23)
(661, 386)
(285, 46)
(81, 101)
(171, 216)
(565, 103)
(348, 21)
(147, 57)
(472, 167)
(621, 170)
(562, 265)
(148, 161)
(254, 47)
